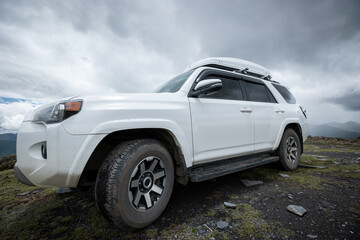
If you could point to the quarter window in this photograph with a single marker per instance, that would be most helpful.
(285, 93)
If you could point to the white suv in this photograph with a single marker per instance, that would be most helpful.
(220, 116)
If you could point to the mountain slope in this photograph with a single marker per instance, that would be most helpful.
(7, 144)
(349, 126)
(329, 130)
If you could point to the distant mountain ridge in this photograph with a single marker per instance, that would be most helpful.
(7, 144)
(348, 130)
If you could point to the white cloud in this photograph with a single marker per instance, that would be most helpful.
(12, 123)
(12, 114)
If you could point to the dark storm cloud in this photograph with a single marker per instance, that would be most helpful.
(276, 32)
(61, 48)
(350, 100)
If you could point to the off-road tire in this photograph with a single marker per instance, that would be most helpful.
(127, 163)
(289, 150)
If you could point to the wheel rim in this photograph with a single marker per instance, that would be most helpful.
(147, 183)
(291, 149)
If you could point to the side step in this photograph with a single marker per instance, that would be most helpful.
(199, 174)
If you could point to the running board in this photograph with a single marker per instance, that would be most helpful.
(199, 174)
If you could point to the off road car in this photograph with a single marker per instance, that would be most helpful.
(220, 116)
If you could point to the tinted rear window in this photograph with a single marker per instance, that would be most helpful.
(285, 93)
(257, 92)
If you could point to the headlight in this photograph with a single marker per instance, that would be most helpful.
(54, 113)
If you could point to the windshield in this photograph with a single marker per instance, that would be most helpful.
(174, 84)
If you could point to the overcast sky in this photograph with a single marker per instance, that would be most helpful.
(55, 49)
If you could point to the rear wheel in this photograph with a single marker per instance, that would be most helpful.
(290, 150)
(135, 183)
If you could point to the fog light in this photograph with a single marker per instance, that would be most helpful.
(44, 150)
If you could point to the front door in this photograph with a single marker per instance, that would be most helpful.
(222, 123)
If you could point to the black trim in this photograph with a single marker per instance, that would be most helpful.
(231, 160)
(20, 176)
(202, 172)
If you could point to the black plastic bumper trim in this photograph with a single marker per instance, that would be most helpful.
(20, 176)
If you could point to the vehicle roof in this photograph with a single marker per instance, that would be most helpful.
(231, 63)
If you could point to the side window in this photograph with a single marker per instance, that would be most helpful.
(285, 93)
(230, 90)
(257, 92)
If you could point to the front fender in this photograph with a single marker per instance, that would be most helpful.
(182, 138)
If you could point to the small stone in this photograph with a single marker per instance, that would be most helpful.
(284, 175)
(298, 210)
(317, 156)
(358, 170)
(290, 196)
(23, 194)
(311, 236)
(222, 224)
(63, 190)
(202, 232)
(250, 183)
(322, 159)
(229, 205)
(311, 166)
(336, 163)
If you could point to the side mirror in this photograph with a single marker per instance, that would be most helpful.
(206, 87)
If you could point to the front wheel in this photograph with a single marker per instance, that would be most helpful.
(290, 150)
(134, 183)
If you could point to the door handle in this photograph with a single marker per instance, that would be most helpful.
(246, 110)
(277, 110)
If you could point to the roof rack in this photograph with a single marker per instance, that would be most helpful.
(234, 65)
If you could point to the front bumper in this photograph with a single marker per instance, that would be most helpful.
(20, 176)
(33, 168)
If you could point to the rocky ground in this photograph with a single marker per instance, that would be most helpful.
(330, 195)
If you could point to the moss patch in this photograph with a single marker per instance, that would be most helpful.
(248, 223)
(151, 233)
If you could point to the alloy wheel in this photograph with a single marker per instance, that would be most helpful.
(147, 183)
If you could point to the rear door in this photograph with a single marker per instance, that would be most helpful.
(222, 123)
(267, 113)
